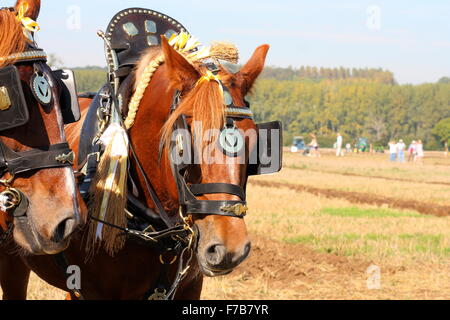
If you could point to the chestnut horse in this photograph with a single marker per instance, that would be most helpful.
(222, 240)
(38, 193)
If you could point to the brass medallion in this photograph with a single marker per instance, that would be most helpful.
(5, 102)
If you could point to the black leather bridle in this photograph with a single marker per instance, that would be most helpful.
(43, 157)
(188, 193)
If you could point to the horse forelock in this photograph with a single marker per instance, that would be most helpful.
(12, 39)
(204, 103)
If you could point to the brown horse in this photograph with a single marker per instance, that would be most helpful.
(31, 180)
(223, 243)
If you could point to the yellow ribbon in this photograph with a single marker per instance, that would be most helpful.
(209, 76)
(28, 23)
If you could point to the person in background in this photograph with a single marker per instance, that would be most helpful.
(412, 151)
(401, 150)
(392, 151)
(314, 146)
(419, 152)
(348, 147)
(339, 142)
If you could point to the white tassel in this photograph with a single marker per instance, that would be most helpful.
(109, 190)
(118, 138)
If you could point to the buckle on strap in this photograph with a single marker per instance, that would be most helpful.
(227, 208)
(66, 158)
(237, 209)
(37, 158)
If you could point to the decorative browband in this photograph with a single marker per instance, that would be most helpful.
(25, 56)
(238, 112)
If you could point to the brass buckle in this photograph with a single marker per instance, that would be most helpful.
(7, 182)
(158, 295)
(238, 209)
(161, 258)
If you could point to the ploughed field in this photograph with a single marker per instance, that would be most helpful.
(357, 227)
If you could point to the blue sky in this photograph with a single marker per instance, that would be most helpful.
(410, 38)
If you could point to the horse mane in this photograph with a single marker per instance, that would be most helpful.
(12, 39)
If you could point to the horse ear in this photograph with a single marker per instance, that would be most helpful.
(182, 73)
(34, 6)
(255, 65)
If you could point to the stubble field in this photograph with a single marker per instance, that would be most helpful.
(357, 227)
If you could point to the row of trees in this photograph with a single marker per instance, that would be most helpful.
(355, 108)
(356, 103)
(318, 74)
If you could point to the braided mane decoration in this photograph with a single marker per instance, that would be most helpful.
(189, 47)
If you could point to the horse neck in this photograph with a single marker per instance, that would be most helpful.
(145, 137)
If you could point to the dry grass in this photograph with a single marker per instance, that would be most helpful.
(435, 167)
(316, 172)
(310, 247)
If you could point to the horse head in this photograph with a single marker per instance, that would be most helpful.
(197, 110)
(37, 185)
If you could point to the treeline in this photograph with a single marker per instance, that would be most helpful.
(355, 108)
(357, 103)
(90, 78)
(318, 74)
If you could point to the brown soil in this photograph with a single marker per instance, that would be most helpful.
(284, 263)
(278, 270)
(366, 198)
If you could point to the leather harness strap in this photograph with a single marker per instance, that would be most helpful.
(54, 156)
(216, 188)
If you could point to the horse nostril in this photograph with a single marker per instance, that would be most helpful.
(64, 229)
(215, 255)
(247, 249)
